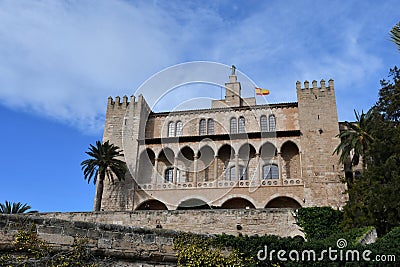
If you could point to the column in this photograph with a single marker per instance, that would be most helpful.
(216, 170)
(237, 167)
(155, 172)
(280, 168)
(195, 158)
(174, 181)
(301, 164)
(259, 167)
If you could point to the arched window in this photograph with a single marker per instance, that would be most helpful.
(272, 123)
(263, 123)
(270, 171)
(171, 129)
(179, 128)
(202, 127)
(233, 126)
(210, 126)
(242, 173)
(168, 175)
(242, 126)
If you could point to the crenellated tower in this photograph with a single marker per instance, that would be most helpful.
(318, 121)
(124, 126)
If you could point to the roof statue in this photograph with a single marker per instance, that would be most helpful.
(233, 68)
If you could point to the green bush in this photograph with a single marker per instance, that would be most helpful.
(319, 222)
(388, 245)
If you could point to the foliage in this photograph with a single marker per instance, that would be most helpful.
(13, 208)
(375, 199)
(194, 250)
(29, 250)
(249, 247)
(388, 244)
(103, 162)
(319, 222)
(388, 104)
(395, 35)
(356, 138)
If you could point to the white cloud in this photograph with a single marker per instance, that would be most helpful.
(62, 59)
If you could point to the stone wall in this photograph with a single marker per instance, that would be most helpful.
(142, 238)
(126, 246)
(250, 222)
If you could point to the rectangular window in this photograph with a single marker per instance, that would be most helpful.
(169, 174)
(243, 173)
(270, 171)
(232, 175)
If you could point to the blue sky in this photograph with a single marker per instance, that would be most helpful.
(60, 60)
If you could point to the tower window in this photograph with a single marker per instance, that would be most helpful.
(171, 129)
(242, 126)
(202, 127)
(270, 171)
(272, 123)
(210, 126)
(179, 128)
(233, 126)
(263, 123)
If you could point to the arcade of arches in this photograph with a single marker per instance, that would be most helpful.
(209, 168)
(226, 164)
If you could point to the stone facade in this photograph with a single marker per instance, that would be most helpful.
(237, 154)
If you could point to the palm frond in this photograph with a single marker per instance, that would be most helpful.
(395, 35)
(104, 162)
(355, 139)
(13, 208)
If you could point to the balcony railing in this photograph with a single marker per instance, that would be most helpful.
(222, 184)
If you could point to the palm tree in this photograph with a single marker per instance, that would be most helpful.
(103, 162)
(356, 138)
(14, 208)
(395, 35)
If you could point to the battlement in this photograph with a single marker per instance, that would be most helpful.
(314, 86)
(118, 102)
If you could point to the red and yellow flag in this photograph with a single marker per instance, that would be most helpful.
(261, 91)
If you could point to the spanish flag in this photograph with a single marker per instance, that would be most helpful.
(261, 91)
